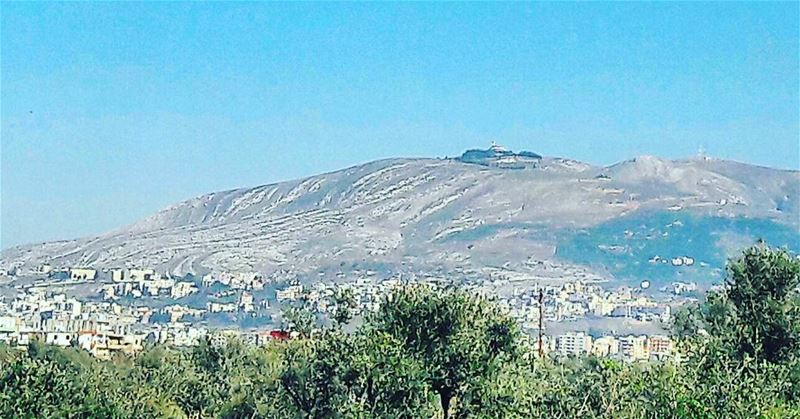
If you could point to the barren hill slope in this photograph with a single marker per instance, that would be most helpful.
(423, 214)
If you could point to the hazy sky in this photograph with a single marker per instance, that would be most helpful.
(111, 112)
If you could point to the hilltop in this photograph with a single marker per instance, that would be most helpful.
(482, 213)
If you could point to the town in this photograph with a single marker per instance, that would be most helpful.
(132, 308)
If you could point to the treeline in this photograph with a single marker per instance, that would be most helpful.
(433, 353)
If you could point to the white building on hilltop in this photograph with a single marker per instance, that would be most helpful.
(497, 148)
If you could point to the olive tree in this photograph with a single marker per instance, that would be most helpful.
(461, 338)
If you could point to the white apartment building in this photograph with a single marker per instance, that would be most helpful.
(575, 343)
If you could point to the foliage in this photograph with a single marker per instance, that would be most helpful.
(458, 337)
(343, 303)
(430, 353)
(762, 316)
(299, 319)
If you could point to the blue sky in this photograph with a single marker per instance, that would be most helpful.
(112, 111)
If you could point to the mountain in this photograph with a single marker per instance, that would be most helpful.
(445, 216)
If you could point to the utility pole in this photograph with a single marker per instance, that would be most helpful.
(541, 316)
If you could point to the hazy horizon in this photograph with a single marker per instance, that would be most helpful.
(111, 112)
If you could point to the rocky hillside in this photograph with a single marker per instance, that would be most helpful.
(423, 214)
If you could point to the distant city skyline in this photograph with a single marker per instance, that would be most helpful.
(112, 111)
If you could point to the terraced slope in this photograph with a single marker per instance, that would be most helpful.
(422, 214)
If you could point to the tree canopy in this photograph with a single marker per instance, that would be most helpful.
(439, 353)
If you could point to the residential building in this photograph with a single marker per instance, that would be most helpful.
(634, 348)
(575, 343)
(605, 346)
(82, 273)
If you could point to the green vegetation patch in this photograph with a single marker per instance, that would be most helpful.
(628, 247)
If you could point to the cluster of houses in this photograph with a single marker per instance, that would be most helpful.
(104, 325)
(675, 261)
(104, 328)
(628, 348)
(113, 322)
(571, 301)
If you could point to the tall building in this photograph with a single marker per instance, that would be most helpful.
(634, 347)
(575, 343)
